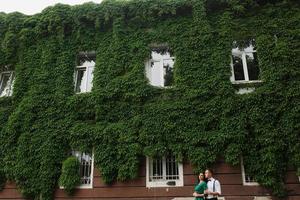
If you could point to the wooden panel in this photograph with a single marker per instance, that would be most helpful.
(224, 168)
(230, 178)
(232, 190)
(10, 193)
(189, 180)
(239, 198)
(293, 189)
(220, 168)
(291, 177)
(130, 192)
(139, 182)
(293, 197)
(157, 198)
(187, 169)
(142, 171)
(10, 185)
(225, 179)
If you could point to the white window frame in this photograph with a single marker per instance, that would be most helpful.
(163, 183)
(10, 82)
(89, 186)
(162, 69)
(245, 183)
(236, 51)
(85, 186)
(88, 66)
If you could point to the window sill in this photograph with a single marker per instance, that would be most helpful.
(160, 184)
(78, 93)
(245, 82)
(246, 87)
(85, 186)
(79, 187)
(5, 96)
(251, 184)
(161, 87)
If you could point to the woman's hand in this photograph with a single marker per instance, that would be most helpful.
(195, 194)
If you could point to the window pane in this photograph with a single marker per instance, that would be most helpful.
(85, 167)
(252, 66)
(172, 172)
(159, 69)
(157, 169)
(168, 67)
(5, 86)
(238, 68)
(249, 179)
(90, 77)
(81, 80)
(155, 73)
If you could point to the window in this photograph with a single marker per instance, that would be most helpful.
(159, 69)
(84, 73)
(86, 168)
(247, 178)
(244, 64)
(164, 172)
(6, 83)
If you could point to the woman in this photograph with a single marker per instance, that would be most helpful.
(200, 188)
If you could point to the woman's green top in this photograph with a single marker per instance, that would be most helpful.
(200, 188)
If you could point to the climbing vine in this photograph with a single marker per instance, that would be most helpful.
(199, 119)
(70, 178)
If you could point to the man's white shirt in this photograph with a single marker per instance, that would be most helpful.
(210, 187)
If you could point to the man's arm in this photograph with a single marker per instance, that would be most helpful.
(217, 188)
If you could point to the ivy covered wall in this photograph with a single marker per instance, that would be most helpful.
(200, 119)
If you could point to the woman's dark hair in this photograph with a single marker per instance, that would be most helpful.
(198, 179)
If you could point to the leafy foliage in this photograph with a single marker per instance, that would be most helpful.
(124, 118)
(2, 180)
(70, 177)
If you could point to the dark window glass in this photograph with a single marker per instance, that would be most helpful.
(80, 82)
(169, 74)
(172, 168)
(238, 68)
(86, 56)
(4, 84)
(157, 169)
(252, 65)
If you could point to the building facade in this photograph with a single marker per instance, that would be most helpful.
(131, 100)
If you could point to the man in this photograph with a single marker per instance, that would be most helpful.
(213, 186)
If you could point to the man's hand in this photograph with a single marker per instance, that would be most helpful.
(212, 193)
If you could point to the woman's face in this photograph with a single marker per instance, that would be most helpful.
(201, 176)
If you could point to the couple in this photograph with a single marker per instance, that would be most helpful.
(208, 187)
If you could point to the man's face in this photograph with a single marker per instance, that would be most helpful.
(208, 174)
